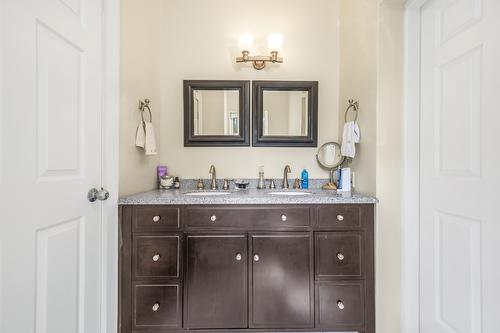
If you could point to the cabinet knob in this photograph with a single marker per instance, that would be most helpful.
(340, 256)
(156, 219)
(340, 218)
(156, 257)
(284, 218)
(256, 257)
(156, 307)
(340, 304)
(238, 256)
(213, 218)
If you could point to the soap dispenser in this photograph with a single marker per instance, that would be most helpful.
(304, 178)
(262, 183)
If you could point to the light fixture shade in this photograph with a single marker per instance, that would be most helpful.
(245, 42)
(275, 42)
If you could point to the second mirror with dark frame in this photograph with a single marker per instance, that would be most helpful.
(216, 113)
(285, 113)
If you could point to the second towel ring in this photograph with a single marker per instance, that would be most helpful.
(354, 105)
(143, 106)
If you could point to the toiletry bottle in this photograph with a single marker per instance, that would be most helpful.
(177, 183)
(305, 179)
(161, 171)
(262, 184)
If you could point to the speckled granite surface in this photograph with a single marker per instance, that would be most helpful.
(245, 197)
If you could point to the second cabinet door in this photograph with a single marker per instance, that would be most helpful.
(216, 281)
(281, 281)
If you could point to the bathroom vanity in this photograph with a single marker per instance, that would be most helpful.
(246, 261)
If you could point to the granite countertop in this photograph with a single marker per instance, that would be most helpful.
(245, 197)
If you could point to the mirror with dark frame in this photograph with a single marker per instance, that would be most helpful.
(285, 113)
(216, 113)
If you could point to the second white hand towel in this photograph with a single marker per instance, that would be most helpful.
(150, 141)
(350, 136)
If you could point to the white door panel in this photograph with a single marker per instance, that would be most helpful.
(460, 132)
(50, 234)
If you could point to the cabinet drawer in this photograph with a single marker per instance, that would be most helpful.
(339, 216)
(156, 256)
(245, 217)
(338, 254)
(340, 306)
(157, 306)
(156, 218)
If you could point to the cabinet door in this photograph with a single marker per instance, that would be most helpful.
(281, 282)
(216, 281)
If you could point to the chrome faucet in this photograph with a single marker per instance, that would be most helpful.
(285, 177)
(213, 184)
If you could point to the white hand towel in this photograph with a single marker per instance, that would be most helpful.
(350, 136)
(140, 135)
(150, 141)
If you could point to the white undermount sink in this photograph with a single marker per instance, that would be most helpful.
(207, 193)
(290, 193)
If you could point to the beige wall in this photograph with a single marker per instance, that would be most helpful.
(199, 40)
(389, 164)
(358, 81)
(140, 63)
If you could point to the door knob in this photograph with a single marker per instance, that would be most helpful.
(256, 257)
(95, 194)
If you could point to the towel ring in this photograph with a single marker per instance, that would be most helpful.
(143, 106)
(354, 105)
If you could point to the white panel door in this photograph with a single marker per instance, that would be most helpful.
(460, 166)
(50, 137)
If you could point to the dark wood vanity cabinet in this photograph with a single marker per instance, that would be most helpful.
(215, 292)
(247, 268)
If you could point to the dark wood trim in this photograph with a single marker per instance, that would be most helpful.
(259, 140)
(216, 140)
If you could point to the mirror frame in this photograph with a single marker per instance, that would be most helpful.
(259, 140)
(191, 140)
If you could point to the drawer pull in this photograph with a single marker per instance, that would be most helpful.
(340, 304)
(156, 219)
(340, 218)
(213, 218)
(340, 256)
(156, 307)
(284, 218)
(156, 257)
(238, 256)
(256, 257)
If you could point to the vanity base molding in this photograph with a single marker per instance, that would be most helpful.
(247, 268)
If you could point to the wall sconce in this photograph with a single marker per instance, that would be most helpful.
(274, 43)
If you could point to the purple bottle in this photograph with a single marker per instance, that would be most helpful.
(161, 171)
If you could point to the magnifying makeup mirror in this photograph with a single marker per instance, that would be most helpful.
(329, 158)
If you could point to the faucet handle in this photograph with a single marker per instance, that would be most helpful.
(200, 185)
(225, 186)
(272, 185)
(296, 184)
